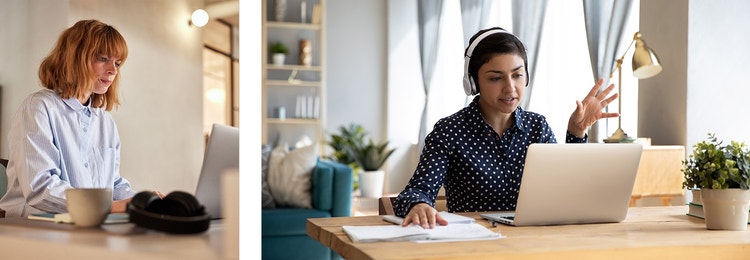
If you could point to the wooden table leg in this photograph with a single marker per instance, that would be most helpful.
(666, 200)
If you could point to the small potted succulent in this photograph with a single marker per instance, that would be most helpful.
(722, 173)
(278, 53)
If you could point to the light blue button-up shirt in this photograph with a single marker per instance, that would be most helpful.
(57, 144)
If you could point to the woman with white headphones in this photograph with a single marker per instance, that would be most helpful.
(478, 152)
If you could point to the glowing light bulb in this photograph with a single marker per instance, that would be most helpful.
(199, 17)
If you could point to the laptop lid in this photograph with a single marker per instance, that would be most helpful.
(576, 183)
(222, 153)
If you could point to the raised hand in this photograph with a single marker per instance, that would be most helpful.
(589, 110)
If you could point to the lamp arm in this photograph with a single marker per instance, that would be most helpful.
(619, 61)
(636, 36)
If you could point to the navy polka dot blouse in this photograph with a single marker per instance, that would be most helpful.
(480, 169)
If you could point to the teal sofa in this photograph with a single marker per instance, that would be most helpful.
(284, 234)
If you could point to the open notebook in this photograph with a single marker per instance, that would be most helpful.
(574, 184)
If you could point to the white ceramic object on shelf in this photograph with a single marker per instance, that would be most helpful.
(278, 59)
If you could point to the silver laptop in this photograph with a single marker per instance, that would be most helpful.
(222, 153)
(574, 184)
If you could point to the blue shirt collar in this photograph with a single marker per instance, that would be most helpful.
(76, 105)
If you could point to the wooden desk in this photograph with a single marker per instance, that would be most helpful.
(647, 233)
(27, 239)
(659, 173)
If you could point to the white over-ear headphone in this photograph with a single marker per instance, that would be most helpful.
(469, 85)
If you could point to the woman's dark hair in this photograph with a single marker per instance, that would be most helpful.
(494, 44)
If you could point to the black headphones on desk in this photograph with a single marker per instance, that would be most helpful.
(178, 212)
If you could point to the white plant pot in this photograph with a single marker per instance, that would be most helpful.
(726, 209)
(278, 59)
(371, 183)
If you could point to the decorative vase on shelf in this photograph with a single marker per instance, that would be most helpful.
(280, 10)
(371, 183)
(726, 209)
(305, 53)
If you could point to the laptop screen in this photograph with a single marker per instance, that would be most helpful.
(577, 183)
(222, 153)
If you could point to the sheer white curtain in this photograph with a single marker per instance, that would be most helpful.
(429, 13)
(605, 24)
(475, 15)
(528, 21)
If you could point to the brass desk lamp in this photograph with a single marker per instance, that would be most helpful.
(645, 65)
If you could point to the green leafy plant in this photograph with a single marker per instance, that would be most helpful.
(348, 136)
(279, 47)
(713, 165)
(370, 156)
(350, 148)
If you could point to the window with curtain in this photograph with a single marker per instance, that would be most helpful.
(563, 73)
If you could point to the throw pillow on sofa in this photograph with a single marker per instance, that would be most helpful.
(266, 191)
(289, 174)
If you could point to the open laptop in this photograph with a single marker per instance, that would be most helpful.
(222, 153)
(574, 184)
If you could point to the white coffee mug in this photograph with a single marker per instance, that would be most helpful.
(88, 207)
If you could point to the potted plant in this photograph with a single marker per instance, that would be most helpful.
(722, 173)
(371, 157)
(348, 136)
(278, 53)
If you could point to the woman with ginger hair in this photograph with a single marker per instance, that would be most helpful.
(63, 136)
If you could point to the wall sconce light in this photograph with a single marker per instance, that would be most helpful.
(221, 9)
(199, 18)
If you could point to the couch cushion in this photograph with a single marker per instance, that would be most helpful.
(322, 187)
(268, 201)
(288, 221)
(289, 175)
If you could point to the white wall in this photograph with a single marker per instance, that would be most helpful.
(160, 117)
(718, 58)
(356, 65)
(360, 64)
(405, 91)
(703, 50)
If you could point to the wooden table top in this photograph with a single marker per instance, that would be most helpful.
(21, 238)
(646, 233)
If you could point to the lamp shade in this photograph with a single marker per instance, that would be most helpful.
(645, 62)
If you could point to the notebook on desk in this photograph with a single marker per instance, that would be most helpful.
(222, 153)
(574, 184)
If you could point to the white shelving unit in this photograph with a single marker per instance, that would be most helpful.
(299, 89)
